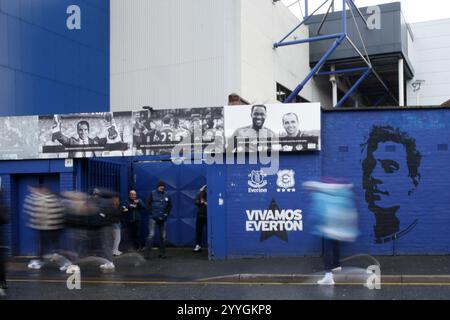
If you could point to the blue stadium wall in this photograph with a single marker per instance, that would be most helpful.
(424, 208)
(45, 68)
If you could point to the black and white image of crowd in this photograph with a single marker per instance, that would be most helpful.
(157, 132)
(19, 138)
(103, 134)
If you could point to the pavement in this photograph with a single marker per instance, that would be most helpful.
(184, 266)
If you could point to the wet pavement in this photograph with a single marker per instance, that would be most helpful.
(187, 275)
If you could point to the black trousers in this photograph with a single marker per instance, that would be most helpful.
(332, 254)
(48, 242)
(2, 265)
(199, 226)
(134, 232)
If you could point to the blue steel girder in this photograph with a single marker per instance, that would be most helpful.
(339, 39)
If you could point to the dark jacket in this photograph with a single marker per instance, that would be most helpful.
(4, 215)
(134, 210)
(159, 205)
(202, 207)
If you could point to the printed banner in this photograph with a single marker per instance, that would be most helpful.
(282, 127)
(85, 135)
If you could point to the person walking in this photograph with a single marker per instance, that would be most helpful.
(336, 220)
(46, 215)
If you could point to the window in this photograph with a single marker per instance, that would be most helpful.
(283, 93)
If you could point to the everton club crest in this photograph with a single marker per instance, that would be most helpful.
(286, 181)
(257, 181)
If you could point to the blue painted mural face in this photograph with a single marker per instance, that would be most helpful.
(390, 176)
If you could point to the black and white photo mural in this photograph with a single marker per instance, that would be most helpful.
(19, 138)
(85, 135)
(282, 127)
(157, 132)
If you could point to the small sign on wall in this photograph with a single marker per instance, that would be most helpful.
(68, 163)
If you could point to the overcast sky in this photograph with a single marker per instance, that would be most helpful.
(414, 10)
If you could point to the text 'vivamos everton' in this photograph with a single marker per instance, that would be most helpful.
(274, 220)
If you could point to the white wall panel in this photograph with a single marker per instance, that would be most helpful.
(431, 63)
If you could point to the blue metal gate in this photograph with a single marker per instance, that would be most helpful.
(100, 174)
(182, 184)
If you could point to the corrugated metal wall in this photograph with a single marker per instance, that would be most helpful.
(169, 53)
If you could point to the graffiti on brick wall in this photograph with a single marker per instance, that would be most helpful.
(391, 174)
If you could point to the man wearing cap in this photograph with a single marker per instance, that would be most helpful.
(159, 205)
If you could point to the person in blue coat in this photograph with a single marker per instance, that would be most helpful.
(159, 205)
(336, 217)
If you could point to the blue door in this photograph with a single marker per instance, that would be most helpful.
(26, 239)
(182, 184)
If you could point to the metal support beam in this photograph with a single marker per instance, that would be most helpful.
(352, 3)
(401, 83)
(301, 23)
(319, 64)
(334, 86)
(325, 17)
(354, 87)
(342, 71)
(313, 39)
(344, 17)
(306, 9)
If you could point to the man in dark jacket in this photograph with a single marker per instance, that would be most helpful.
(133, 218)
(201, 203)
(159, 206)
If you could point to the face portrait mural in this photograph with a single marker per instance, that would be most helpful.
(290, 124)
(258, 117)
(390, 177)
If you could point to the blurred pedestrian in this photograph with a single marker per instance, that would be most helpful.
(4, 219)
(159, 205)
(45, 215)
(202, 205)
(108, 215)
(133, 218)
(336, 220)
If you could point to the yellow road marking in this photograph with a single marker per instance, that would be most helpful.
(219, 283)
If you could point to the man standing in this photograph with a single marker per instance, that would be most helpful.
(159, 205)
(133, 218)
(201, 202)
(254, 137)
